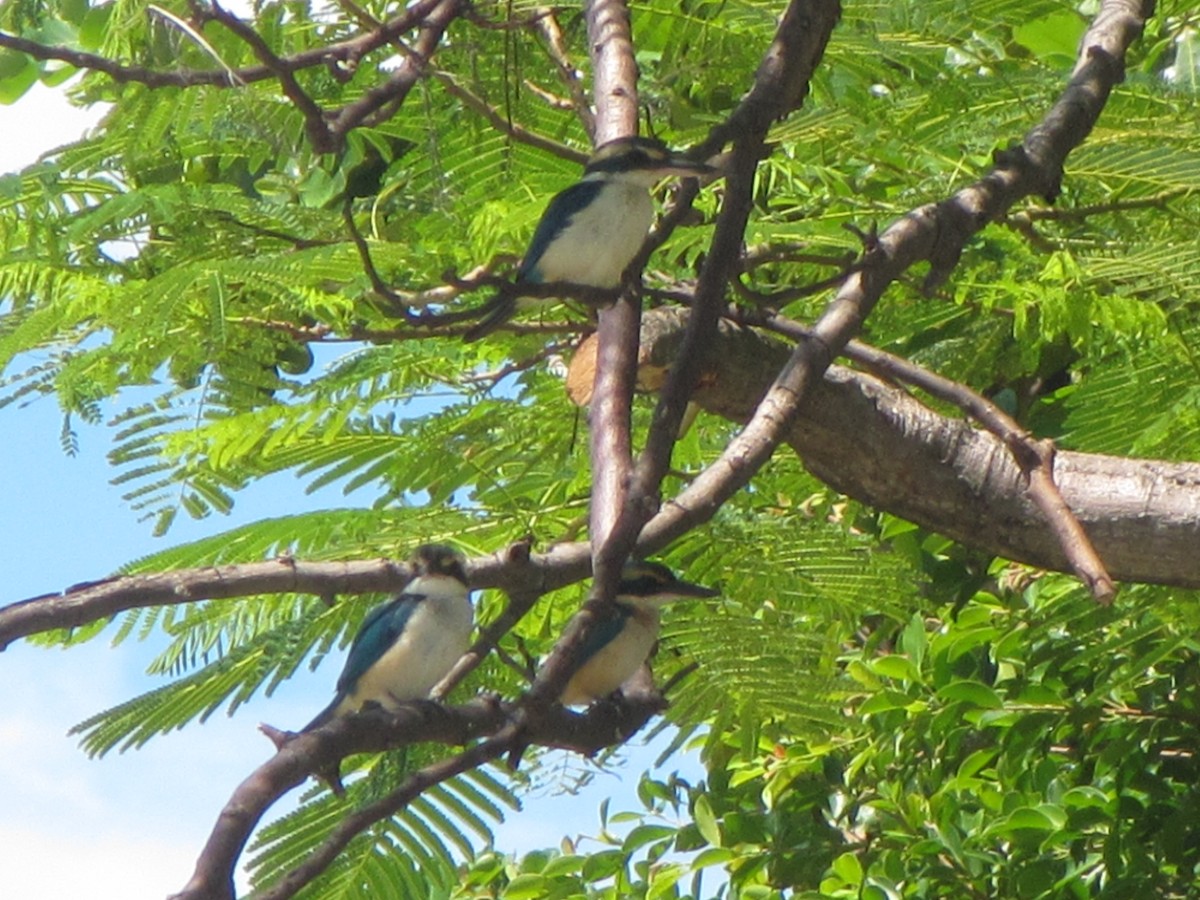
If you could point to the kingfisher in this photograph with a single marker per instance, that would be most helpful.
(592, 230)
(408, 644)
(617, 647)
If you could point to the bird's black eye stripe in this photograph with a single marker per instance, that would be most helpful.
(642, 586)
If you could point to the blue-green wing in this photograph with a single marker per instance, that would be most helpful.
(603, 633)
(379, 631)
(559, 212)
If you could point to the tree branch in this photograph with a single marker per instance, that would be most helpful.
(614, 74)
(510, 571)
(1034, 458)
(602, 725)
(393, 91)
(344, 51)
(936, 232)
(878, 444)
(548, 27)
(615, 88)
(504, 124)
(781, 82)
(314, 119)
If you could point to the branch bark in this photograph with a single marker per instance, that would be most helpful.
(305, 754)
(878, 444)
(935, 232)
(348, 51)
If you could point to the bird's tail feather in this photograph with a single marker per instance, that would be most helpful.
(325, 715)
(495, 312)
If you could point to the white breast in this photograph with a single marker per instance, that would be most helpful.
(435, 637)
(602, 239)
(614, 663)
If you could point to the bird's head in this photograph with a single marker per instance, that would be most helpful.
(651, 584)
(645, 159)
(438, 559)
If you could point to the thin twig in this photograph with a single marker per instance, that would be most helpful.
(556, 48)
(395, 303)
(504, 124)
(198, 39)
(495, 376)
(1074, 213)
(314, 117)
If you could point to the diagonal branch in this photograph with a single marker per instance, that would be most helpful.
(1034, 458)
(937, 233)
(314, 119)
(302, 755)
(880, 445)
(345, 52)
(412, 68)
(504, 124)
(551, 33)
(519, 603)
(780, 84)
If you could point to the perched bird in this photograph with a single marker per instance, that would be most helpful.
(407, 645)
(616, 648)
(590, 232)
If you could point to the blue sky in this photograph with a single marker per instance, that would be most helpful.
(130, 825)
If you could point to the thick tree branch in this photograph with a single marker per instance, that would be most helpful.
(878, 444)
(936, 232)
(1035, 458)
(305, 754)
(614, 70)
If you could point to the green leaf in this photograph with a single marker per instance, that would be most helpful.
(18, 73)
(898, 667)
(526, 887)
(706, 821)
(849, 868)
(883, 701)
(1054, 37)
(971, 692)
(1026, 819)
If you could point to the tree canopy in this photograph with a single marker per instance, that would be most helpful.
(920, 678)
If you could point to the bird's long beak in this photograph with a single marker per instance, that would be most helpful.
(682, 589)
(681, 165)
